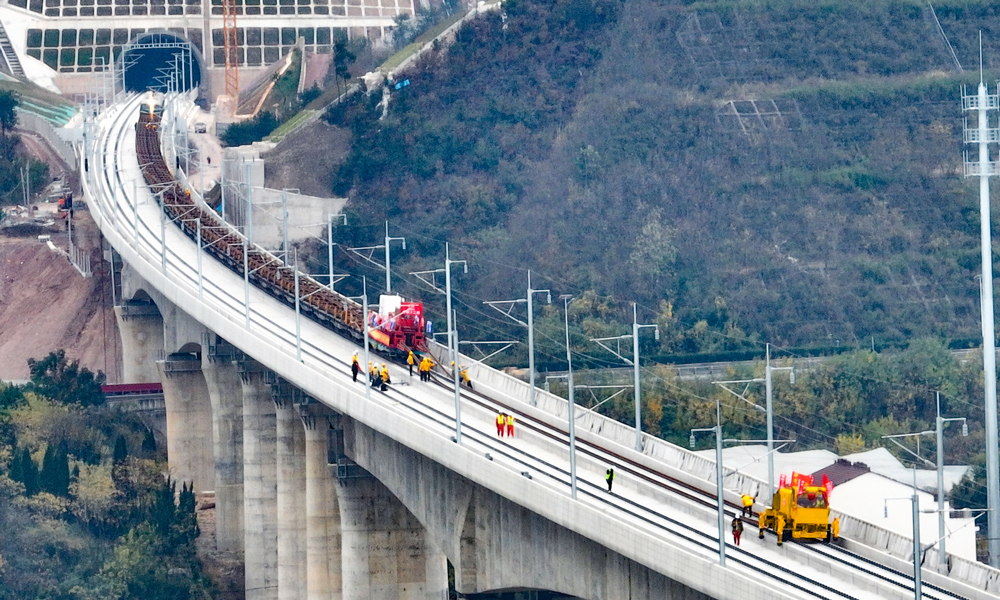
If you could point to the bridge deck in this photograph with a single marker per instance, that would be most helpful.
(646, 519)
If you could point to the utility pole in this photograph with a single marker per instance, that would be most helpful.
(452, 334)
(939, 433)
(768, 409)
(720, 498)
(388, 241)
(635, 363)
(453, 340)
(329, 246)
(387, 266)
(983, 102)
(572, 402)
(531, 329)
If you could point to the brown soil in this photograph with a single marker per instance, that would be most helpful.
(45, 304)
(224, 568)
(307, 159)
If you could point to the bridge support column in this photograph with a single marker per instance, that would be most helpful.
(141, 329)
(291, 441)
(225, 391)
(387, 553)
(322, 514)
(259, 484)
(189, 421)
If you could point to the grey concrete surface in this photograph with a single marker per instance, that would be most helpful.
(496, 544)
(226, 395)
(260, 488)
(387, 553)
(189, 423)
(323, 550)
(291, 449)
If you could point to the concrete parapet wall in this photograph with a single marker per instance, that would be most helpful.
(41, 126)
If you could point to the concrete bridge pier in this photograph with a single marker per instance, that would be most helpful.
(387, 554)
(226, 394)
(291, 473)
(497, 544)
(323, 551)
(260, 491)
(141, 329)
(189, 421)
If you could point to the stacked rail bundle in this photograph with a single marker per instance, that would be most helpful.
(266, 271)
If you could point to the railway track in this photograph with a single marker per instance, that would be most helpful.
(228, 247)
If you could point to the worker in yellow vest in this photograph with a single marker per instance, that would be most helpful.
(410, 360)
(510, 424)
(500, 424)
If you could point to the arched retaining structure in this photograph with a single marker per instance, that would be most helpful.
(176, 41)
(496, 544)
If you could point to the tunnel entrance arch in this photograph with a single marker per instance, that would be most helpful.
(159, 61)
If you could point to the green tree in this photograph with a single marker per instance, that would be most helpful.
(29, 473)
(63, 380)
(8, 116)
(121, 450)
(149, 443)
(342, 59)
(10, 396)
(16, 472)
(248, 132)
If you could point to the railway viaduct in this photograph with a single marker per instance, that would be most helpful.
(324, 506)
(333, 491)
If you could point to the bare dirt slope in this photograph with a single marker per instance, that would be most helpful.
(307, 159)
(45, 304)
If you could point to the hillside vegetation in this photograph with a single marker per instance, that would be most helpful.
(778, 171)
(597, 143)
(86, 508)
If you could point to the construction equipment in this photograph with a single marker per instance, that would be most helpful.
(800, 511)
